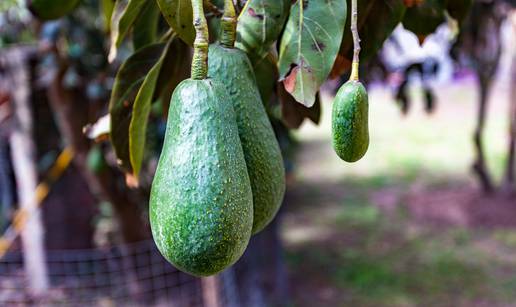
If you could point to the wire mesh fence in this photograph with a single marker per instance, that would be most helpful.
(125, 275)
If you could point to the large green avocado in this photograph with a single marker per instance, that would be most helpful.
(261, 150)
(350, 126)
(201, 207)
(51, 9)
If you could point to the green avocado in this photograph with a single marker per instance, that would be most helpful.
(350, 127)
(201, 205)
(51, 9)
(261, 150)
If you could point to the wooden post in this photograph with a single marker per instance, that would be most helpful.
(211, 291)
(23, 151)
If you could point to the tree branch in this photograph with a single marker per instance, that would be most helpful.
(356, 41)
(479, 165)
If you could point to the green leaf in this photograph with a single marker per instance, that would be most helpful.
(128, 81)
(260, 25)
(310, 45)
(179, 15)
(123, 18)
(140, 115)
(167, 73)
(107, 7)
(146, 26)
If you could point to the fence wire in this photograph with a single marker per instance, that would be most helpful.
(126, 275)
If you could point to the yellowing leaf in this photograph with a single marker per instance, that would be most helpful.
(309, 46)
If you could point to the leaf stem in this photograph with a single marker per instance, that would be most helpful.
(356, 41)
(246, 5)
(200, 56)
(228, 24)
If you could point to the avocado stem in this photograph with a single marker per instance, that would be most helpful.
(228, 24)
(356, 41)
(200, 56)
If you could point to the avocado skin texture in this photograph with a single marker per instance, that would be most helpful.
(201, 207)
(261, 150)
(350, 127)
(51, 9)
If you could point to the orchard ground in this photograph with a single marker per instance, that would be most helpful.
(407, 225)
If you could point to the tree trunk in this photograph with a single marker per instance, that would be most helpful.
(482, 41)
(479, 166)
(68, 107)
(510, 167)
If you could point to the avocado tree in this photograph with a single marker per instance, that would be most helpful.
(226, 76)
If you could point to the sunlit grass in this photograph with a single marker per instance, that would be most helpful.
(351, 252)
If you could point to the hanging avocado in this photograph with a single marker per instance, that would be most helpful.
(350, 128)
(261, 150)
(201, 208)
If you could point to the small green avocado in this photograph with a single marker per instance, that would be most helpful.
(201, 205)
(262, 154)
(350, 127)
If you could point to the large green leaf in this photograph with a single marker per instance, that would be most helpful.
(179, 15)
(140, 114)
(260, 25)
(167, 73)
(123, 18)
(310, 45)
(145, 29)
(128, 81)
(371, 13)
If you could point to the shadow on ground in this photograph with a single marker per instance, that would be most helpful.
(404, 227)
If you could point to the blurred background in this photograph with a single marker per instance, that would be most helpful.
(426, 218)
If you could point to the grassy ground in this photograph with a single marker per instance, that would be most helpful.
(405, 226)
